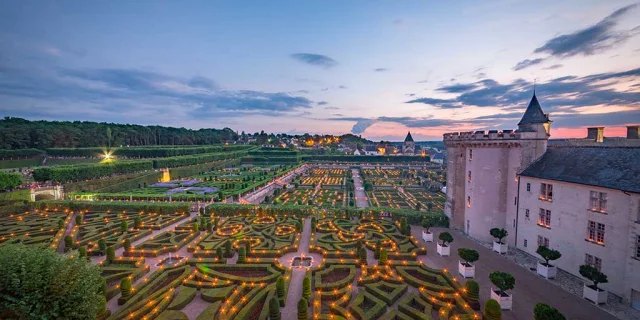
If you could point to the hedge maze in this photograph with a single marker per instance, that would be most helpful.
(34, 227)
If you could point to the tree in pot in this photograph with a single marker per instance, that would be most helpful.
(428, 223)
(502, 281)
(590, 272)
(545, 312)
(499, 234)
(492, 310)
(548, 255)
(469, 256)
(446, 238)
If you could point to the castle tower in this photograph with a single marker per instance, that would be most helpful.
(482, 168)
(408, 146)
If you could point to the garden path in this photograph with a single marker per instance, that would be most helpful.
(361, 196)
(294, 293)
(529, 289)
(67, 232)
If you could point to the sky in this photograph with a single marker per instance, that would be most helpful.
(373, 68)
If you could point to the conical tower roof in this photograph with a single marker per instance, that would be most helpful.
(534, 113)
(409, 137)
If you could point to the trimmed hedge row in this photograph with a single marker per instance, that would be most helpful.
(20, 153)
(168, 208)
(114, 184)
(89, 171)
(376, 159)
(140, 152)
(9, 180)
(178, 161)
(270, 160)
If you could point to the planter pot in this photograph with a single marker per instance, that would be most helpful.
(427, 236)
(504, 299)
(466, 270)
(596, 296)
(500, 248)
(547, 271)
(444, 251)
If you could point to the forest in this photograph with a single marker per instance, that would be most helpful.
(18, 133)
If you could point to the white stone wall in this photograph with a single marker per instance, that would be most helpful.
(568, 231)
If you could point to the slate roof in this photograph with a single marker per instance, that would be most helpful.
(613, 168)
(534, 113)
(370, 148)
(409, 137)
(606, 143)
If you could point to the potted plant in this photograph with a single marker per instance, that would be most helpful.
(427, 224)
(443, 248)
(545, 269)
(503, 282)
(465, 267)
(592, 292)
(545, 312)
(499, 246)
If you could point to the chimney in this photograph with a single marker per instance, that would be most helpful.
(633, 132)
(596, 134)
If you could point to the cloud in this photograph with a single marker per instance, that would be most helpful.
(553, 67)
(337, 114)
(457, 88)
(331, 108)
(124, 92)
(398, 22)
(560, 94)
(527, 63)
(362, 124)
(591, 40)
(380, 69)
(322, 103)
(342, 87)
(317, 60)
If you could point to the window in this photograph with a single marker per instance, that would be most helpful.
(593, 261)
(595, 232)
(470, 154)
(598, 201)
(528, 186)
(543, 241)
(469, 201)
(525, 243)
(526, 214)
(637, 247)
(544, 219)
(546, 191)
(469, 176)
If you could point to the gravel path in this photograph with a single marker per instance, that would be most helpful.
(294, 293)
(361, 196)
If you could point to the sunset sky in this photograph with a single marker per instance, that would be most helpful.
(374, 68)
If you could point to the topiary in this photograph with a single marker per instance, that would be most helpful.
(280, 291)
(79, 219)
(274, 309)
(306, 288)
(548, 254)
(468, 255)
(102, 244)
(383, 257)
(220, 253)
(127, 245)
(102, 308)
(247, 246)
(82, 252)
(125, 287)
(362, 256)
(137, 223)
(502, 280)
(242, 255)
(545, 312)
(124, 226)
(492, 310)
(60, 223)
(209, 227)
(111, 254)
(593, 274)
(195, 227)
(303, 312)
(68, 243)
(446, 238)
(376, 252)
(498, 234)
(472, 292)
(228, 251)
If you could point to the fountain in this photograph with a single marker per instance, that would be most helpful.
(302, 261)
(169, 262)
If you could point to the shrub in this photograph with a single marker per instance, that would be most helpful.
(468, 255)
(362, 256)
(51, 286)
(127, 244)
(102, 245)
(247, 246)
(60, 223)
(376, 252)
(446, 238)
(228, 250)
(195, 227)
(591, 273)
(79, 219)
(545, 312)
(502, 280)
(429, 222)
(298, 226)
(242, 255)
(125, 287)
(124, 226)
(383, 257)
(492, 310)
(220, 253)
(209, 227)
(274, 309)
(473, 290)
(280, 290)
(111, 254)
(405, 228)
(499, 234)
(68, 242)
(303, 312)
(102, 307)
(82, 252)
(137, 223)
(306, 288)
(548, 254)
(201, 210)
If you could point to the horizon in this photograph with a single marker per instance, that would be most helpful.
(377, 70)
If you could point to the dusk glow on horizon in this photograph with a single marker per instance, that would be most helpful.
(375, 69)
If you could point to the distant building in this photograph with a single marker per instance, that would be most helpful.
(408, 146)
(438, 157)
(371, 151)
(578, 196)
